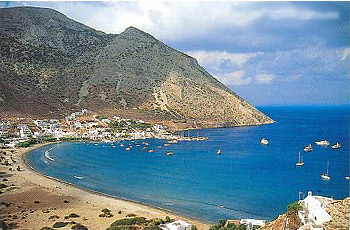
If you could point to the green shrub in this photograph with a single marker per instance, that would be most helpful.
(152, 228)
(105, 210)
(193, 227)
(60, 224)
(24, 144)
(157, 221)
(167, 219)
(129, 221)
(122, 228)
(293, 208)
(79, 227)
(73, 215)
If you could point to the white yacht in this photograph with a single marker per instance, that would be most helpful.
(169, 153)
(264, 141)
(322, 143)
(218, 152)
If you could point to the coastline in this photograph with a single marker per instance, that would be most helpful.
(87, 203)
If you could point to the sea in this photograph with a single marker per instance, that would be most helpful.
(248, 180)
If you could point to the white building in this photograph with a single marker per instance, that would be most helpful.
(252, 223)
(314, 214)
(176, 225)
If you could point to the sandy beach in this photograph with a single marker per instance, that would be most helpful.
(32, 201)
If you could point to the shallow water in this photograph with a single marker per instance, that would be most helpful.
(247, 180)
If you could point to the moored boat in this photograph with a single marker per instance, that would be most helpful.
(300, 161)
(150, 150)
(173, 141)
(169, 153)
(308, 148)
(336, 146)
(325, 176)
(322, 143)
(264, 141)
(127, 148)
(218, 152)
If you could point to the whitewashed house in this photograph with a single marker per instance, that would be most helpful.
(252, 223)
(314, 214)
(176, 225)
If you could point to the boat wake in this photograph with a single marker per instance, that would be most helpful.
(47, 156)
(78, 177)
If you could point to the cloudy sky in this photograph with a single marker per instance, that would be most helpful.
(270, 53)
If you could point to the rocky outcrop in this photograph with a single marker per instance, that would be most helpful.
(339, 211)
(52, 65)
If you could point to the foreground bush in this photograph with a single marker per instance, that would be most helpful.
(60, 224)
(129, 221)
(79, 227)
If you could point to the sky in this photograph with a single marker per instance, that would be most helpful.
(270, 53)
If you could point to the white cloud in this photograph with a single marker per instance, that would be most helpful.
(264, 78)
(176, 20)
(217, 57)
(218, 62)
(234, 78)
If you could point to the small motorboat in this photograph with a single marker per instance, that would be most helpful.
(264, 141)
(121, 145)
(127, 148)
(166, 144)
(322, 143)
(169, 153)
(336, 146)
(218, 152)
(173, 141)
(347, 178)
(151, 151)
(308, 148)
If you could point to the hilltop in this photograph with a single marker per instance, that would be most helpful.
(53, 65)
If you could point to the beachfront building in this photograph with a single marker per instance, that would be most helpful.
(314, 213)
(176, 225)
(252, 223)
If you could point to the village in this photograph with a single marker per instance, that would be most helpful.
(83, 126)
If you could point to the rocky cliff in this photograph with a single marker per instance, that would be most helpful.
(52, 65)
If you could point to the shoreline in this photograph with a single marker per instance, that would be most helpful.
(30, 167)
(62, 188)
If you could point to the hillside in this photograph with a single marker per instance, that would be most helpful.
(52, 65)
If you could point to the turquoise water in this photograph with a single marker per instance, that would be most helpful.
(247, 181)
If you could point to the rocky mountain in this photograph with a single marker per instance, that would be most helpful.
(52, 65)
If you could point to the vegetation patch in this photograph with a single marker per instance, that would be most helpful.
(129, 221)
(79, 227)
(60, 224)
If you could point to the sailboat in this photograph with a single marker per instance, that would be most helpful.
(300, 162)
(325, 176)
